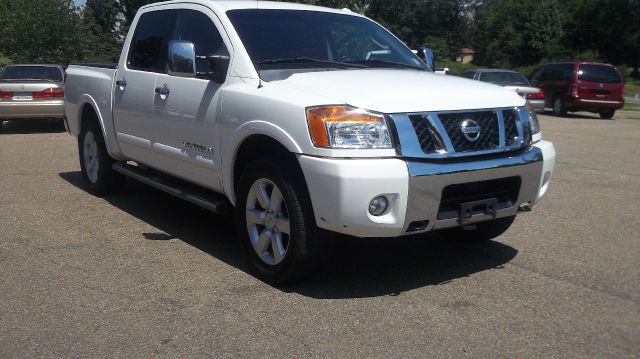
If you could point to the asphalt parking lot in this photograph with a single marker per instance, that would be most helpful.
(144, 275)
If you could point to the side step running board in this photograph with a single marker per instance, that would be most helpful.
(199, 196)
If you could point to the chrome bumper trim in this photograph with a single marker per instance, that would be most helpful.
(603, 101)
(428, 180)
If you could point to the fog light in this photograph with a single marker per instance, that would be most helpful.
(378, 206)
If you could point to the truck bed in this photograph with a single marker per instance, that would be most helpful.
(91, 83)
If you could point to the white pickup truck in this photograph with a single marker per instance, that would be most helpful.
(308, 121)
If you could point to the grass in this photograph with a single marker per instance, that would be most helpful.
(631, 86)
(631, 107)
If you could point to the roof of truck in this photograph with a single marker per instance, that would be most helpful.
(225, 5)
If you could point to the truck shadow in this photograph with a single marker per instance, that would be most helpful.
(20, 127)
(355, 268)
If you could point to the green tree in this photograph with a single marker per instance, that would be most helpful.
(544, 30)
(129, 8)
(610, 27)
(101, 33)
(501, 29)
(41, 31)
(442, 24)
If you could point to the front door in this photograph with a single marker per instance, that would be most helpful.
(187, 118)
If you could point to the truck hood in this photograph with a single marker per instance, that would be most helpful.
(398, 91)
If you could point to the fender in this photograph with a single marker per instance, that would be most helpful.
(108, 130)
(257, 127)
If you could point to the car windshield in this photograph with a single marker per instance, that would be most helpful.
(294, 39)
(31, 73)
(599, 73)
(504, 78)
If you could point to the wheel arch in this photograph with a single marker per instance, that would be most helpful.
(88, 110)
(252, 147)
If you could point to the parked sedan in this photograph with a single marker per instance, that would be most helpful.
(512, 80)
(31, 91)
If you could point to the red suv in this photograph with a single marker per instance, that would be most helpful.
(580, 86)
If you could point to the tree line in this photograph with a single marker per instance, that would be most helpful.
(504, 33)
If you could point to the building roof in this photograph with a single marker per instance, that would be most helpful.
(466, 51)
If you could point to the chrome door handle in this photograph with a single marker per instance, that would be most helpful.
(164, 91)
(121, 83)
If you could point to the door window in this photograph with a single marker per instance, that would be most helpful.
(198, 28)
(149, 45)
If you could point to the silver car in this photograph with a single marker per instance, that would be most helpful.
(512, 80)
(31, 91)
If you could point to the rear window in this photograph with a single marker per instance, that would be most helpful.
(599, 73)
(504, 78)
(32, 73)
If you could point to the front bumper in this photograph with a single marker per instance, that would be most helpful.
(341, 189)
(31, 109)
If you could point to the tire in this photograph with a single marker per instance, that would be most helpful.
(607, 114)
(275, 256)
(485, 231)
(95, 163)
(559, 108)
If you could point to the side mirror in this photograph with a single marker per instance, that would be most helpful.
(182, 59)
(426, 55)
(219, 65)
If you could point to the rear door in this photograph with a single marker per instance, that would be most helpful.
(556, 80)
(187, 119)
(135, 119)
(597, 82)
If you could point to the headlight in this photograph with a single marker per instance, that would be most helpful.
(347, 127)
(533, 120)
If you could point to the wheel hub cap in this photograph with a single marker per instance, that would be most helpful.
(267, 222)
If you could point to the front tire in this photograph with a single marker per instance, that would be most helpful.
(607, 114)
(483, 232)
(275, 223)
(95, 163)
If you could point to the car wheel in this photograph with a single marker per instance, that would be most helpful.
(558, 107)
(483, 231)
(95, 163)
(275, 223)
(607, 114)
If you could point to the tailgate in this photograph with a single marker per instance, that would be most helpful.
(599, 82)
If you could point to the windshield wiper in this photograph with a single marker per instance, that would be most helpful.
(309, 60)
(383, 63)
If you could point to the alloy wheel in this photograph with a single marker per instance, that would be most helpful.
(268, 222)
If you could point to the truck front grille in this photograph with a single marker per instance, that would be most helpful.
(454, 134)
(489, 135)
(510, 127)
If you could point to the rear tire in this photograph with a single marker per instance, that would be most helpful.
(607, 114)
(559, 108)
(484, 231)
(95, 163)
(275, 223)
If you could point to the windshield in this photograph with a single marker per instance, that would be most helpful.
(32, 73)
(285, 39)
(504, 78)
(599, 73)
